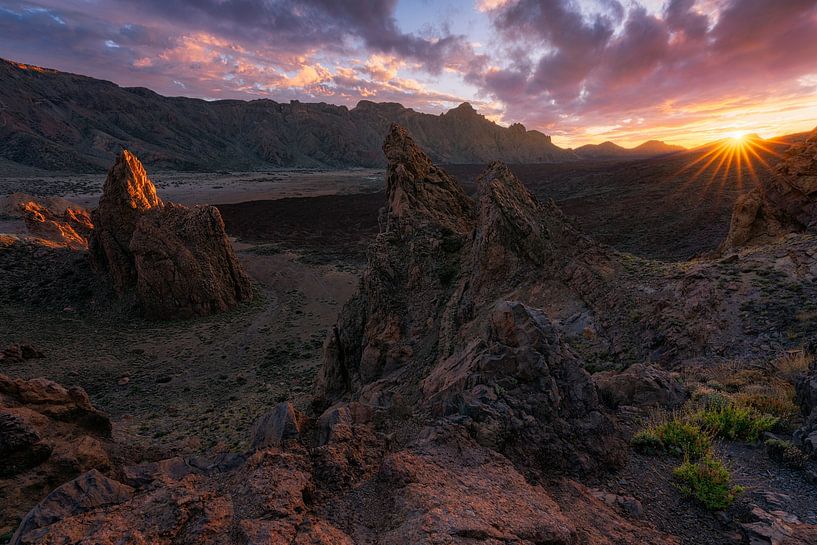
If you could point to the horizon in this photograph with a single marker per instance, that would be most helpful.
(684, 72)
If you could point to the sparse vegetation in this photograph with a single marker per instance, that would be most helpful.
(731, 420)
(675, 435)
(708, 481)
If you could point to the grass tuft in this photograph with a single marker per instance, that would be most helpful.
(675, 436)
(708, 481)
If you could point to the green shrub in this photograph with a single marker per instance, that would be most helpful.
(732, 421)
(708, 481)
(675, 436)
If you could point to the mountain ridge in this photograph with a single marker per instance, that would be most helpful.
(611, 150)
(60, 121)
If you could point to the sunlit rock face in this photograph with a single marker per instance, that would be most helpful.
(785, 203)
(71, 228)
(177, 260)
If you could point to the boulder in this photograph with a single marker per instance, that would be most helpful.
(89, 491)
(641, 385)
(177, 260)
(278, 426)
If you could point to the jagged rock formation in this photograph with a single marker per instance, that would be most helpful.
(785, 203)
(71, 229)
(191, 134)
(48, 434)
(434, 325)
(177, 260)
(53, 220)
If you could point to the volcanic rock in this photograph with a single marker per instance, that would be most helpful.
(71, 228)
(431, 327)
(15, 353)
(275, 428)
(806, 390)
(641, 385)
(177, 260)
(784, 203)
(185, 265)
(48, 434)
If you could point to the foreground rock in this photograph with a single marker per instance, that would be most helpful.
(785, 203)
(48, 434)
(177, 260)
(431, 327)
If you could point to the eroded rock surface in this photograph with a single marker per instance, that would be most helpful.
(431, 327)
(48, 434)
(785, 203)
(177, 260)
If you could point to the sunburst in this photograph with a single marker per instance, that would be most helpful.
(740, 155)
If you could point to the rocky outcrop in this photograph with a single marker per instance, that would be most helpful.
(441, 487)
(177, 260)
(48, 434)
(784, 203)
(432, 327)
(71, 228)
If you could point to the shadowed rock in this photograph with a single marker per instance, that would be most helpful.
(177, 260)
(785, 203)
(431, 327)
(48, 434)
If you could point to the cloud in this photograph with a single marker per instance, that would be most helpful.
(566, 68)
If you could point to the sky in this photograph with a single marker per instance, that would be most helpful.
(583, 71)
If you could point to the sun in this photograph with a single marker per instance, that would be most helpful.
(737, 136)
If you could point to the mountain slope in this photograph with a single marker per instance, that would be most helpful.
(610, 150)
(60, 121)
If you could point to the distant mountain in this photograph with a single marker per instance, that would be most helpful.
(60, 121)
(610, 150)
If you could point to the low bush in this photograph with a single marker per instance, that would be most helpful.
(731, 420)
(674, 435)
(708, 481)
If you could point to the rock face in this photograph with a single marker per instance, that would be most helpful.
(48, 434)
(432, 326)
(642, 386)
(806, 390)
(785, 203)
(177, 260)
(71, 228)
(191, 134)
